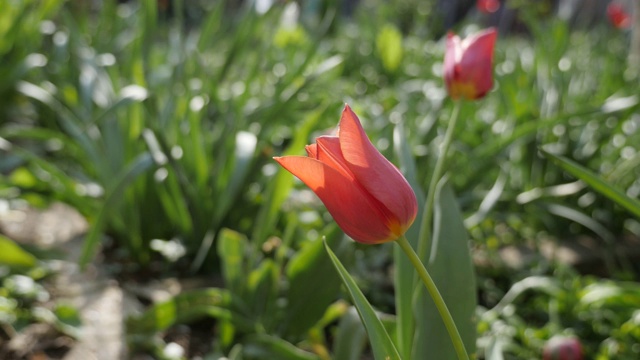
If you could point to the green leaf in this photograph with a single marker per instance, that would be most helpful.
(263, 346)
(350, 337)
(381, 344)
(389, 47)
(450, 265)
(611, 294)
(239, 166)
(279, 188)
(262, 286)
(544, 284)
(405, 274)
(596, 182)
(313, 286)
(231, 247)
(68, 319)
(185, 307)
(13, 255)
(114, 195)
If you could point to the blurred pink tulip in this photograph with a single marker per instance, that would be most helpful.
(468, 71)
(488, 6)
(618, 16)
(562, 348)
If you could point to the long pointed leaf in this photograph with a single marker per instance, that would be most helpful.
(263, 346)
(452, 270)
(139, 165)
(350, 337)
(404, 274)
(305, 271)
(185, 307)
(597, 183)
(381, 344)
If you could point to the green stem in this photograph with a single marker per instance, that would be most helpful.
(437, 298)
(425, 231)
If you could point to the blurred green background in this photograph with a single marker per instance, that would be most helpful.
(157, 121)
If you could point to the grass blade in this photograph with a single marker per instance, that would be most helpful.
(596, 182)
(350, 337)
(185, 307)
(139, 165)
(263, 346)
(13, 255)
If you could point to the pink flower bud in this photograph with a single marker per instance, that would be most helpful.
(488, 6)
(468, 71)
(562, 348)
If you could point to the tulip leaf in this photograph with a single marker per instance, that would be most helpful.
(113, 197)
(236, 170)
(381, 343)
(350, 337)
(280, 187)
(231, 248)
(308, 268)
(449, 263)
(389, 47)
(263, 346)
(185, 307)
(262, 287)
(405, 274)
(13, 255)
(596, 182)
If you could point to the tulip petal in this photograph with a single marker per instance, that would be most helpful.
(452, 55)
(357, 214)
(312, 150)
(475, 65)
(374, 172)
(329, 152)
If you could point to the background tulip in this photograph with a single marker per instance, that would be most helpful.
(618, 16)
(365, 193)
(488, 6)
(562, 348)
(468, 69)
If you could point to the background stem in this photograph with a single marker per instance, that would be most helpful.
(447, 319)
(425, 231)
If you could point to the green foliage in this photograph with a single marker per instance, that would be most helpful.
(389, 47)
(24, 297)
(587, 308)
(168, 129)
(598, 184)
(162, 128)
(22, 25)
(13, 255)
(381, 343)
(449, 263)
(248, 310)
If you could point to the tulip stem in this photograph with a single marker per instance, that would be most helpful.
(425, 231)
(447, 319)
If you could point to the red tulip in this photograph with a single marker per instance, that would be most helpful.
(562, 348)
(618, 16)
(365, 193)
(468, 69)
(488, 6)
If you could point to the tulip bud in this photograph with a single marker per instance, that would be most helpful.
(562, 348)
(618, 16)
(365, 193)
(488, 6)
(468, 71)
